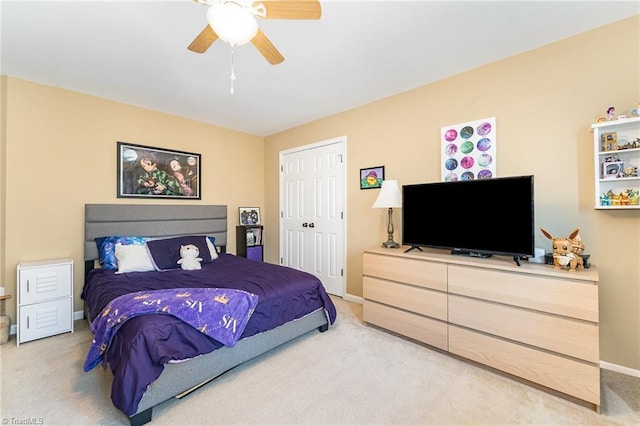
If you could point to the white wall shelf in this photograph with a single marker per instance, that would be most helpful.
(616, 146)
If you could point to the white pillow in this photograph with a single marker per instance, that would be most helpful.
(212, 249)
(133, 258)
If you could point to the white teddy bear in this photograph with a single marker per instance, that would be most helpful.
(189, 259)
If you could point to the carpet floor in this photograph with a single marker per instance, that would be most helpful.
(351, 375)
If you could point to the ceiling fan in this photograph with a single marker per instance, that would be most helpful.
(234, 21)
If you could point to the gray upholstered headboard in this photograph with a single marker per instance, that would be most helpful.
(151, 220)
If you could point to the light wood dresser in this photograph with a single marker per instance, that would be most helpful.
(531, 321)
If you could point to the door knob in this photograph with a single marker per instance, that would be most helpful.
(311, 225)
(304, 225)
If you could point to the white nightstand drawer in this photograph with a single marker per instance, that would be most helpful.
(44, 319)
(44, 282)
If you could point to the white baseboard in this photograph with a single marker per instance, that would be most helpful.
(354, 299)
(620, 369)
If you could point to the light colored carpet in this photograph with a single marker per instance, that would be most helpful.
(351, 375)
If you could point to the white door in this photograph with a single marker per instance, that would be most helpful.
(312, 213)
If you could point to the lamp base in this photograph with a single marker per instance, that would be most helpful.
(390, 244)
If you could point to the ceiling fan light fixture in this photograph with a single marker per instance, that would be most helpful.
(232, 22)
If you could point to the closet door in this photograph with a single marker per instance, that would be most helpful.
(312, 212)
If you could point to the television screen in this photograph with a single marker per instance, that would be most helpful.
(477, 217)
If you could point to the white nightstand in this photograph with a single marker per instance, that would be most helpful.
(45, 299)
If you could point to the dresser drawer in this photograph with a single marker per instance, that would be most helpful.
(575, 378)
(567, 336)
(417, 327)
(571, 298)
(410, 271)
(415, 299)
(44, 283)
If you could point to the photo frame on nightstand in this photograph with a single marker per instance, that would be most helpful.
(249, 215)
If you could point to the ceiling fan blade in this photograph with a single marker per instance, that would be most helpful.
(204, 40)
(291, 9)
(268, 50)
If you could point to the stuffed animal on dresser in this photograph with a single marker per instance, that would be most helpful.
(189, 257)
(567, 251)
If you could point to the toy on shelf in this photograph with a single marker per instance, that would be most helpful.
(611, 114)
(567, 251)
(628, 197)
(629, 145)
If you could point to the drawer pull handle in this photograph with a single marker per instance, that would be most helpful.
(27, 286)
(27, 322)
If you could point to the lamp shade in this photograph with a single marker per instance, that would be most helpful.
(389, 195)
(232, 23)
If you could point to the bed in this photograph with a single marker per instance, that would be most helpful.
(154, 356)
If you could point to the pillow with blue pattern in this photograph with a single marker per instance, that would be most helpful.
(107, 249)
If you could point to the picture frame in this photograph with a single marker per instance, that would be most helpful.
(612, 170)
(249, 215)
(609, 141)
(149, 172)
(371, 177)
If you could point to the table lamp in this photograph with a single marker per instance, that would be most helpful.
(389, 197)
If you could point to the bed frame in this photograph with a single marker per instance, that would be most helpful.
(180, 379)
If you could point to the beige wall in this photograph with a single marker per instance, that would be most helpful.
(544, 102)
(58, 153)
(61, 154)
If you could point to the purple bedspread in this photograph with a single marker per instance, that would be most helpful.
(220, 313)
(144, 344)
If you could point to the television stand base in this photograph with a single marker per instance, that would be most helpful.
(413, 248)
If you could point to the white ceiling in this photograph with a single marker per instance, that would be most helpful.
(358, 52)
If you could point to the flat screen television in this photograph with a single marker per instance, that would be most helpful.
(474, 217)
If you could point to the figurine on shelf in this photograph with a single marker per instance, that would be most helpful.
(636, 111)
(610, 113)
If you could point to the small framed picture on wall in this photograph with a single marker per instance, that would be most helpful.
(371, 177)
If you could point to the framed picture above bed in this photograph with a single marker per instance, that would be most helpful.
(148, 172)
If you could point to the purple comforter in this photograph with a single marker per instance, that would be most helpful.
(144, 344)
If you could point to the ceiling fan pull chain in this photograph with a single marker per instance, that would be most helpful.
(233, 74)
